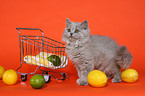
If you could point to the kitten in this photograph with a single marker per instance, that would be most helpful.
(90, 52)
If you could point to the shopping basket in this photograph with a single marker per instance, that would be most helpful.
(43, 52)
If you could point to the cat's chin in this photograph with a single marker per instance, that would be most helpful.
(71, 38)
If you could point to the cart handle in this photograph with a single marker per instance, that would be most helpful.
(29, 29)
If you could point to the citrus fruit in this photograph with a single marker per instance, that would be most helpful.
(30, 59)
(43, 55)
(97, 78)
(129, 75)
(42, 61)
(10, 77)
(2, 70)
(37, 81)
(55, 60)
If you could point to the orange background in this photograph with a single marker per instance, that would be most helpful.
(122, 20)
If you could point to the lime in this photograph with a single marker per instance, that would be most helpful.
(2, 70)
(129, 75)
(10, 77)
(37, 81)
(97, 78)
(55, 60)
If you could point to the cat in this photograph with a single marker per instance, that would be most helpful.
(89, 52)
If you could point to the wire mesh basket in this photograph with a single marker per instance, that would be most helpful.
(43, 52)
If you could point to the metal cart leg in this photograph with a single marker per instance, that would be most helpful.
(24, 75)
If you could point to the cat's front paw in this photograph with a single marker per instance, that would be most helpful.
(82, 82)
(116, 80)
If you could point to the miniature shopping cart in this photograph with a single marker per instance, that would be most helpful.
(43, 52)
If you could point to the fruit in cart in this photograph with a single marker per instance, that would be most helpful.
(129, 75)
(2, 70)
(38, 61)
(31, 62)
(37, 81)
(43, 55)
(30, 59)
(44, 62)
(50, 65)
(55, 60)
(41, 61)
(10, 77)
(97, 78)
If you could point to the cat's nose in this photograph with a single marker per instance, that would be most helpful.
(71, 34)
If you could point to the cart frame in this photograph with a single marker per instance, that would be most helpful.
(44, 72)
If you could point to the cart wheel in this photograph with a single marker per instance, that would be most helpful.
(64, 76)
(47, 78)
(24, 77)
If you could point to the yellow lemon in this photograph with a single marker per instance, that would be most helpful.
(97, 78)
(43, 55)
(129, 75)
(2, 70)
(30, 59)
(10, 77)
(33, 62)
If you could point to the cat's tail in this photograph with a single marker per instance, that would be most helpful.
(123, 57)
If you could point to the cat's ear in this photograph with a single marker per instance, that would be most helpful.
(68, 22)
(84, 24)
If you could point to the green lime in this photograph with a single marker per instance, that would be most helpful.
(55, 60)
(37, 81)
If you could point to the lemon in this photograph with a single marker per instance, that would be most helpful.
(30, 59)
(42, 61)
(2, 70)
(97, 78)
(43, 55)
(10, 77)
(129, 75)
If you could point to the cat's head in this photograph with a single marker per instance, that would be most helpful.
(75, 31)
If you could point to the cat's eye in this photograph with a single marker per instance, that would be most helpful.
(68, 30)
(76, 31)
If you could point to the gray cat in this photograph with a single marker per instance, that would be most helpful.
(90, 52)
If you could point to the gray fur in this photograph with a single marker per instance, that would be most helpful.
(90, 52)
